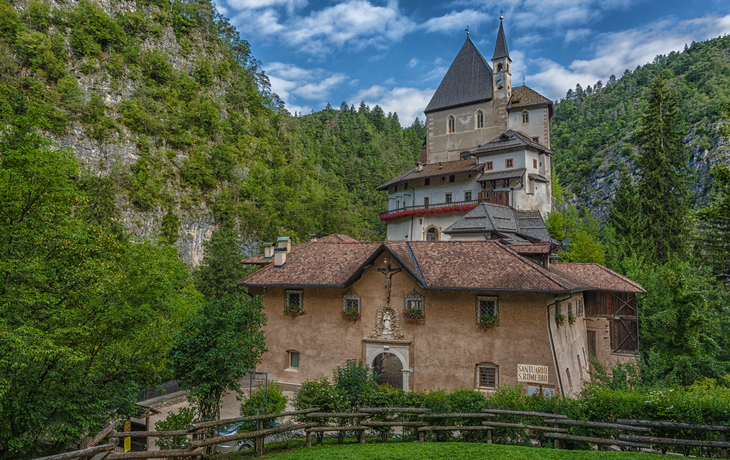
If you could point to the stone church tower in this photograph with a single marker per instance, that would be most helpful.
(487, 142)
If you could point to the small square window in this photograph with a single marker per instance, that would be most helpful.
(489, 166)
(427, 181)
(534, 164)
(487, 305)
(351, 302)
(536, 139)
(448, 197)
(486, 376)
(467, 196)
(508, 163)
(452, 178)
(294, 299)
(294, 359)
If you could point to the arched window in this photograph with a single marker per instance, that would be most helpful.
(432, 234)
(480, 119)
(499, 67)
(451, 124)
(525, 116)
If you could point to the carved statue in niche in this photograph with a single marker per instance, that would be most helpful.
(387, 323)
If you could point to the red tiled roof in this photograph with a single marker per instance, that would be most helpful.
(471, 265)
(535, 248)
(596, 277)
(337, 238)
(316, 264)
(522, 96)
(333, 238)
(445, 168)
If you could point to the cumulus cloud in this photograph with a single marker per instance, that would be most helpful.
(355, 23)
(455, 21)
(412, 63)
(407, 102)
(293, 83)
(615, 51)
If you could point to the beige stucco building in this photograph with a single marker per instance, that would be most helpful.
(451, 285)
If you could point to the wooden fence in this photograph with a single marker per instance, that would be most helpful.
(632, 434)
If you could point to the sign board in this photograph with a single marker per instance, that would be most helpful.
(127, 441)
(532, 374)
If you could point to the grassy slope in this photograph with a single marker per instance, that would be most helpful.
(440, 450)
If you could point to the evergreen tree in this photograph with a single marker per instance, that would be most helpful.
(663, 169)
(715, 223)
(624, 222)
(221, 268)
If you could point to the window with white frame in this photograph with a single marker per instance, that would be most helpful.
(467, 195)
(293, 359)
(487, 305)
(350, 301)
(525, 116)
(487, 376)
(448, 197)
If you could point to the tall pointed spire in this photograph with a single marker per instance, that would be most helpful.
(500, 48)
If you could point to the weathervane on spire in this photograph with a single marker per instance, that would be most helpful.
(501, 14)
(467, 31)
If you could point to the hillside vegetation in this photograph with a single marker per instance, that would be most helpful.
(163, 103)
(593, 127)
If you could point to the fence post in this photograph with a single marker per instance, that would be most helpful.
(260, 439)
(309, 438)
(556, 441)
(723, 450)
(489, 436)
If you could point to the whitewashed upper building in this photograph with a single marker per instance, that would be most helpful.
(487, 142)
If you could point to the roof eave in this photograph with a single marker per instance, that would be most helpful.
(427, 111)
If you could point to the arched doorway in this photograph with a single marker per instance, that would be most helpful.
(432, 234)
(388, 369)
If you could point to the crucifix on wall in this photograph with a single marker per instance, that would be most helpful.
(388, 272)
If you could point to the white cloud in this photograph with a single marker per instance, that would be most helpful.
(615, 51)
(437, 73)
(576, 34)
(257, 4)
(455, 21)
(528, 40)
(407, 102)
(412, 63)
(355, 23)
(293, 83)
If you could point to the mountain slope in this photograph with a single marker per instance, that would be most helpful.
(592, 128)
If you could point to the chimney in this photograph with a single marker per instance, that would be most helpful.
(279, 257)
(284, 242)
(268, 250)
(419, 166)
(313, 237)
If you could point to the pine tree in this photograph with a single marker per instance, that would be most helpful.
(221, 268)
(715, 223)
(663, 168)
(624, 221)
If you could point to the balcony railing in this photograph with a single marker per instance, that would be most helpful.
(485, 196)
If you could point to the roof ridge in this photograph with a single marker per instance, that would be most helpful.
(540, 268)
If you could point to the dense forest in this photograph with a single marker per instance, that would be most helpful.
(593, 127)
(140, 140)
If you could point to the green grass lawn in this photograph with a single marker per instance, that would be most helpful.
(440, 450)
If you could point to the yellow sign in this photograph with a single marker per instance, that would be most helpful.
(532, 374)
(127, 441)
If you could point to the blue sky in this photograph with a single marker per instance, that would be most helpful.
(394, 54)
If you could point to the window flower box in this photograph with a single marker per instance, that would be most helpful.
(487, 322)
(352, 314)
(413, 315)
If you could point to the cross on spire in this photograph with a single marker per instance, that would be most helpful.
(467, 31)
(501, 14)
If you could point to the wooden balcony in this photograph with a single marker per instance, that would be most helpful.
(485, 196)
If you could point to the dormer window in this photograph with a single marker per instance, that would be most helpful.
(480, 119)
(452, 124)
(525, 116)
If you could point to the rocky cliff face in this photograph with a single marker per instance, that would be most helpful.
(115, 76)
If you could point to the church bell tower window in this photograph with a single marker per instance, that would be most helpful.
(451, 124)
(499, 67)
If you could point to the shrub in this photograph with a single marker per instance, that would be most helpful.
(274, 403)
(203, 73)
(155, 66)
(319, 393)
(355, 381)
(93, 30)
(174, 422)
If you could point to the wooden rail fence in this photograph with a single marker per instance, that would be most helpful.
(420, 420)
